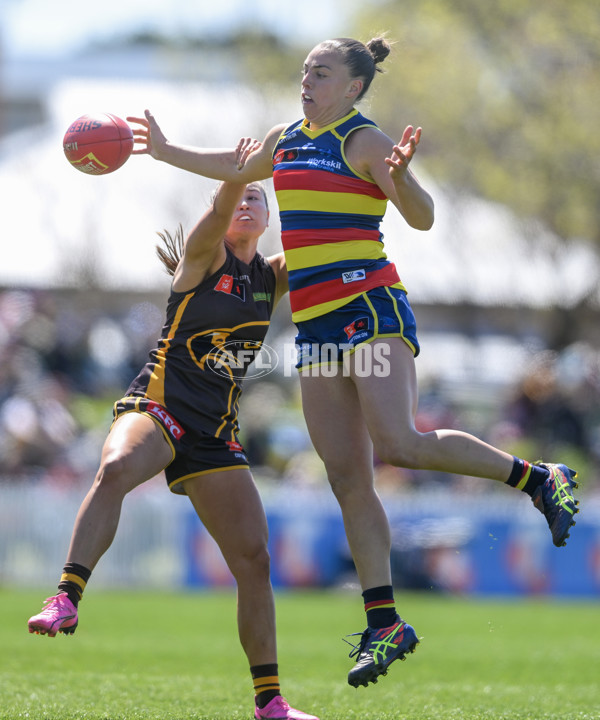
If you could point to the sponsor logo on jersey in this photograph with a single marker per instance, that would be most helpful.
(328, 164)
(359, 325)
(231, 286)
(282, 156)
(237, 450)
(292, 133)
(353, 276)
(167, 420)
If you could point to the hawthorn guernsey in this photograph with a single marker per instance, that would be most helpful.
(330, 217)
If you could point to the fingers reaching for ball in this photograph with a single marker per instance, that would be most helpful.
(149, 139)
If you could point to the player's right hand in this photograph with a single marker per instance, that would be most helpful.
(149, 139)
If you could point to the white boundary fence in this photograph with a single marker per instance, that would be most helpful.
(36, 525)
(494, 543)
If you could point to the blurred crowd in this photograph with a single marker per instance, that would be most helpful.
(64, 360)
(66, 357)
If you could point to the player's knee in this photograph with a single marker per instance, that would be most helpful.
(348, 480)
(398, 454)
(253, 562)
(339, 484)
(113, 474)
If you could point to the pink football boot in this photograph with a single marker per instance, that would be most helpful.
(58, 615)
(278, 709)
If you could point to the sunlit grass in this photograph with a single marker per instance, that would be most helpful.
(142, 656)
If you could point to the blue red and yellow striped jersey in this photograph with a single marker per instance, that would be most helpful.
(330, 217)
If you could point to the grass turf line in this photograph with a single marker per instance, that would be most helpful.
(145, 656)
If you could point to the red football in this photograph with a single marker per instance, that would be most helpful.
(98, 144)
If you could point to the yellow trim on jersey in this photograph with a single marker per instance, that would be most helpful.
(315, 133)
(330, 202)
(326, 307)
(311, 255)
(156, 384)
(333, 129)
(236, 403)
(230, 411)
(345, 159)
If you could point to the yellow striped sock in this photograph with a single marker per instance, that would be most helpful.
(523, 481)
(269, 682)
(75, 580)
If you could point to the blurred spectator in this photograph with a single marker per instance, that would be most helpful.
(54, 350)
(555, 409)
(65, 356)
(542, 409)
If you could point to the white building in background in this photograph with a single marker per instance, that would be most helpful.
(474, 273)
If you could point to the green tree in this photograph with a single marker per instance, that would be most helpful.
(508, 95)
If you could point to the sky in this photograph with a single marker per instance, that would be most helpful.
(40, 27)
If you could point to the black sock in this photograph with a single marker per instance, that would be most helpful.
(266, 683)
(527, 476)
(73, 581)
(380, 606)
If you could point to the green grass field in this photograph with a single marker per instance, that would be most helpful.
(138, 656)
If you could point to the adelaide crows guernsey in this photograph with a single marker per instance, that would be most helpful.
(330, 217)
(210, 336)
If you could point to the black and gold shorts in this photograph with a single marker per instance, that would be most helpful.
(195, 453)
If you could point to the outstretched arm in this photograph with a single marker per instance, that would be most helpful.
(414, 202)
(219, 164)
(204, 248)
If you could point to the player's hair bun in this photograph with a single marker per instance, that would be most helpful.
(379, 48)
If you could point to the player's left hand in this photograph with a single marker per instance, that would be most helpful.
(403, 152)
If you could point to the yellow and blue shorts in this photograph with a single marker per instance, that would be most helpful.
(379, 313)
